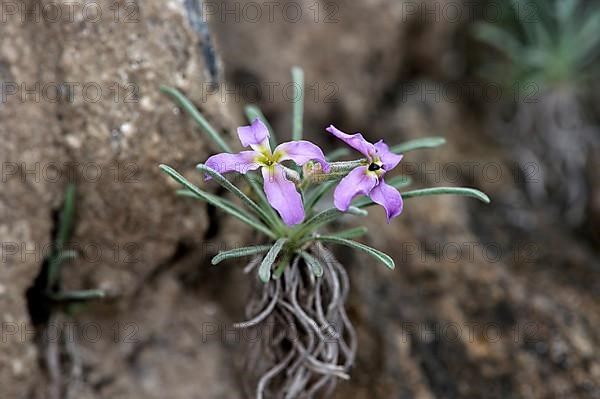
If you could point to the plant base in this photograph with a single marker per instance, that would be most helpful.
(304, 339)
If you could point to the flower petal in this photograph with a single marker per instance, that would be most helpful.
(225, 162)
(388, 158)
(356, 141)
(357, 182)
(388, 197)
(257, 134)
(282, 195)
(301, 152)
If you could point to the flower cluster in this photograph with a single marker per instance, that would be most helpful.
(295, 176)
(280, 182)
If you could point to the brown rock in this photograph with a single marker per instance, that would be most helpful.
(82, 104)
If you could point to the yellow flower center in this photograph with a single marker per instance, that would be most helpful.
(266, 158)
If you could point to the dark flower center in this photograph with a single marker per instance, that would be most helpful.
(373, 167)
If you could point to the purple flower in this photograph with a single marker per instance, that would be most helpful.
(281, 193)
(368, 179)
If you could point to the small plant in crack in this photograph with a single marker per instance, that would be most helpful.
(306, 341)
(51, 307)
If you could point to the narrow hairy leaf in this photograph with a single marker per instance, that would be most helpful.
(281, 265)
(418, 144)
(65, 228)
(253, 112)
(298, 77)
(313, 264)
(226, 184)
(325, 217)
(184, 192)
(462, 191)
(222, 202)
(424, 192)
(380, 256)
(351, 233)
(218, 202)
(66, 218)
(239, 252)
(187, 105)
(264, 270)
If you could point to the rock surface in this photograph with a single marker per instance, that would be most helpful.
(82, 104)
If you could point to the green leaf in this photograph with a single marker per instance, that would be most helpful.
(187, 105)
(66, 218)
(500, 39)
(281, 265)
(253, 112)
(264, 270)
(313, 264)
(351, 233)
(184, 192)
(325, 217)
(218, 202)
(222, 202)
(298, 77)
(239, 252)
(380, 256)
(418, 144)
(424, 192)
(226, 184)
(462, 191)
(54, 266)
(63, 236)
(78, 295)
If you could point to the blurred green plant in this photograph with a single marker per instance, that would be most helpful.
(61, 254)
(548, 42)
(550, 63)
